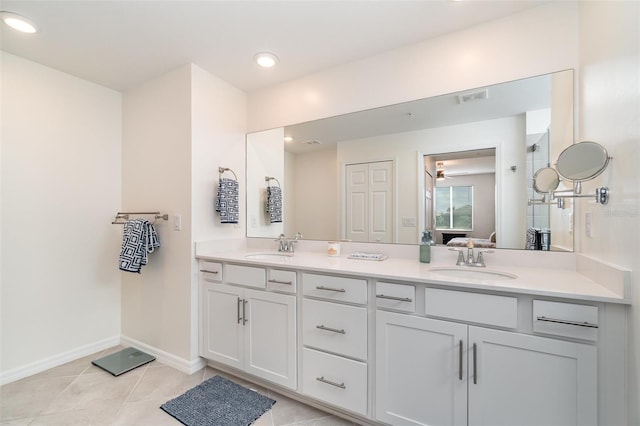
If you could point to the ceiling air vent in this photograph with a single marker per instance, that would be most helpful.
(313, 142)
(473, 96)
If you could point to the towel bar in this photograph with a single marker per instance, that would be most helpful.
(122, 217)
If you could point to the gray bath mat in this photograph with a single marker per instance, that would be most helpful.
(218, 402)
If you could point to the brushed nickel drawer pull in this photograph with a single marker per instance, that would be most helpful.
(244, 312)
(209, 272)
(281, 282)
(561, 321)
(335, 330)
(329, 382)
(460, 361)
(399, 299)
(475, 365)
(239, 317)
(338, 290)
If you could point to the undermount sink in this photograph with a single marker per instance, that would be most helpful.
(268, 256)
(473, 274)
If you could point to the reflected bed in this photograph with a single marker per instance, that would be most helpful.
(477, 242)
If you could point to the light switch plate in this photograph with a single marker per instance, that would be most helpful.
(409, 222)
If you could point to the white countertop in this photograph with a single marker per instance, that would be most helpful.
(541, 280)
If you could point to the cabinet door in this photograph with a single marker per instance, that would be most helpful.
(270, 337)
(221, 324)
(529, 380)
(419, 380)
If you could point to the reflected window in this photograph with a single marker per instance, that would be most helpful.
(454, 207)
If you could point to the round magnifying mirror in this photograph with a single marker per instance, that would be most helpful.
(546, 180)
(582, 161)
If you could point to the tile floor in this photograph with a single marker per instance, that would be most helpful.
(79, 393)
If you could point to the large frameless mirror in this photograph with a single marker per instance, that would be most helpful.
(387, 174)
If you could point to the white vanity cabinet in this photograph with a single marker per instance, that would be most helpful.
(335, 336)
(387, 350)
(433, 371)
(248, 329)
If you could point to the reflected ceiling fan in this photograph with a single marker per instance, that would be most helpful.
(440, 174)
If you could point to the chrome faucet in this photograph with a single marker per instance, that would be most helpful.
(470, 261)
(288, 245)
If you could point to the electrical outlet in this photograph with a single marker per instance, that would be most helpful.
(588, 225)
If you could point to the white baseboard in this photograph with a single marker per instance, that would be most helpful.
(181, 364)
(56, 360)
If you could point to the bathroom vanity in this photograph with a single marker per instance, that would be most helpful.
(400, 342)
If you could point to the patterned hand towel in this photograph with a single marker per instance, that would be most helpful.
(139, 238)
(227, 200)
(274, 203)
(532, 239)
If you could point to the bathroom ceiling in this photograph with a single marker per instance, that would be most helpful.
(121, 44)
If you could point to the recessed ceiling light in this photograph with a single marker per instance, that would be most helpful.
(265, 59)
(288, 138)
(19, 23)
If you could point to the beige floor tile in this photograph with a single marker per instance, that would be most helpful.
(163, 382)
(92, 391)
(28, 398)
(287, 411)
(144, 413)
(78, 393)
(265, 420)
(18, 422)
(102, 415)
(72, 368)
(325, 421)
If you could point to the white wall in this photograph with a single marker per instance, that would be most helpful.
(156, 175)
(561, 136)
(534, 42)
(218, 126)
(60, 192)
(177, 130)
(609, 113)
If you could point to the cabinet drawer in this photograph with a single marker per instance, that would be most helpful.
(281, 280)
(565, 319)
(328, 287)
(245, 275)
(211, 271)
(500, 311)
(399, 297)
(336, 380)
(335, 328)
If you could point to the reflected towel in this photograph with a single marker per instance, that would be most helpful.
(139, 238)
(274, 204)
(532, 239)
(227, 200)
